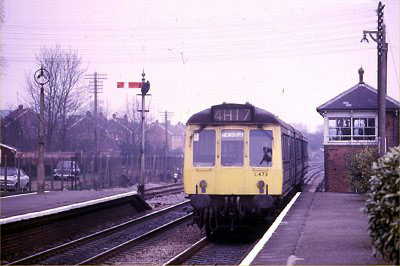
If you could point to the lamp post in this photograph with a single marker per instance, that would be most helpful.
(380, 39)
(42, 77)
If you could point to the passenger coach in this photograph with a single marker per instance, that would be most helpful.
(239, 159)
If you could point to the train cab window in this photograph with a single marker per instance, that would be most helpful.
(261, 148)
(232, 147)
(204, 147)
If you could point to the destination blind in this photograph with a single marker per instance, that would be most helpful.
(232, 114)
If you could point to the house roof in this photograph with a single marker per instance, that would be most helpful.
(8, 147)
(15, 115)
(172, 129)
(156, 124)
(120, 123)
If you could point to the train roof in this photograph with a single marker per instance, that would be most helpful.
(258, 116)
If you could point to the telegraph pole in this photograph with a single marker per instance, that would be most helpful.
(382, 47)
(166, 114)
(42, 77)
(95, 83)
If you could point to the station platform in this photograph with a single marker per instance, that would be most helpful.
(32, 204)
(320, 228)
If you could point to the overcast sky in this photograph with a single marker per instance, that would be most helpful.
(287, 57)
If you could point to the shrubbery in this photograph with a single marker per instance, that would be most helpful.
(359, 165)
(383, 207)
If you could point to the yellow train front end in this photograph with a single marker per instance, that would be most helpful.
(233, 165)
(233, 169)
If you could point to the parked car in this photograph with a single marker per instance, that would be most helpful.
(12, 179)
(68, 170)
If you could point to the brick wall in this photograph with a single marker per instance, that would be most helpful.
(334, 157)
(392, 129)
(335, 167)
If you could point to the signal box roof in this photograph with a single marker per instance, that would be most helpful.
(359, 97)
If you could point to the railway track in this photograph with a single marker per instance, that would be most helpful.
(97, 246)
(205, 252)
(163, 190)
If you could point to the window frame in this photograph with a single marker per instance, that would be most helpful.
(215, 149)
(272, 145)
(352, 137)
(220, 147)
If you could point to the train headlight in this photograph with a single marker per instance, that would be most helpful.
(203, 185)
(260, 185)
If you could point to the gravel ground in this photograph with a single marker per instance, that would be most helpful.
(163, 248)
(162, 202)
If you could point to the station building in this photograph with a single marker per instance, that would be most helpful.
(351, 123)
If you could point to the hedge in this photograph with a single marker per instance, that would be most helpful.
(383, 207)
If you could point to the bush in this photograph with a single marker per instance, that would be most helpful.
(383, 206)
(358, 165)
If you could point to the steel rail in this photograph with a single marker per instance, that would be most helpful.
(166, 186)
(319, 170)
(106, 254)
(187, 253)
(58, 249)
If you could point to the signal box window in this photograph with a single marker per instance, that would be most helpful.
(364, 128)
(352, 129)
(261, 148)
(340, 128)
(232, 147)
(204, 148)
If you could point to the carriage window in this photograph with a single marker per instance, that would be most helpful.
(260, 148)
(232, 147)
(204, 148)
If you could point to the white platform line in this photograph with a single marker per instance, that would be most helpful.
(63, 208)
(257, 248)
(20, 195)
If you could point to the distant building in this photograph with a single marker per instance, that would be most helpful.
(20, 129)
(351, 123)
(81, 135)
(157, 133)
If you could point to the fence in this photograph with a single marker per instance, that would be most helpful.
(82, 172)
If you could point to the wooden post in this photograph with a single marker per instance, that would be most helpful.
(52, 174)
(62, 174)
(18, 174)
(30, 175)
(5, 174)
(84, 171)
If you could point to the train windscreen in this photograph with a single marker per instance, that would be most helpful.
(261, 148)
(232, 147)
(204, 148)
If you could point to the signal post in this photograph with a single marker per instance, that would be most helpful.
(145, 87)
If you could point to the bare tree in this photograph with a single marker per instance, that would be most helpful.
(65, 93)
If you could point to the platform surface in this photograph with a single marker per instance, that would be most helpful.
(30, 203)
(321, 229)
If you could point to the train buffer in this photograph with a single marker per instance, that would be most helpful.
(320, 228)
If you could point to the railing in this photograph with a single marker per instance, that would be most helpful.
(102, 172)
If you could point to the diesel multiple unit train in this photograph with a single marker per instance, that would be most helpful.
(239, 161)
